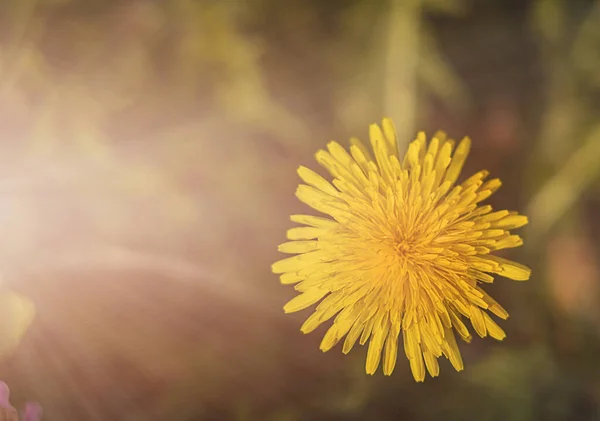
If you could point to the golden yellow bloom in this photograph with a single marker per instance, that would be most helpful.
(405, 250)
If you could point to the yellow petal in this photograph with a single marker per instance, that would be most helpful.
(330, 339)
(304, 300)
(433, 148)
(460, 327)
(313, 179)
(340, 154)
(492, 185)
(312, 322)
(334, 167)
(305, 233)
(432, 364)
(290, 278)
(411, 159)
(452, 352)
(493, 329)
(511, 270)
(458, 160)
(418, 368)
(509, 241)
(478, 321)
(353, 336)
(375, 348)
(390, 135)
(314, 221)
(494, 216)
(381, 150)
(360, 146)
(294, 247)
(511, 222)
(390, 355)
(441, 164)
(295, 263)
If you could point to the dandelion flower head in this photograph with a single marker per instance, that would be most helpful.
(401, 252)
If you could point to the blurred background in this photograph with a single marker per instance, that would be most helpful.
(147, 173)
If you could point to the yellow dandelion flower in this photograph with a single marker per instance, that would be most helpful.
(405, 250)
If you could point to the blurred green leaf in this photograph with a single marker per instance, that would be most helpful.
(507, 380)
(548, 20)
(562, 190)
(448, 7)
(586, 46)
(437, 76)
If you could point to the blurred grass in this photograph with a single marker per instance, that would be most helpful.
(148, 162)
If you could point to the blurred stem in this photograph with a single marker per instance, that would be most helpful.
(585, 52)
(400, 69)
(436, 76)
(560, 121)
(561, 115)
(548, 18)
(562, 190)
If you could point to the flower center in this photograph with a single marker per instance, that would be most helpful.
(404, 248)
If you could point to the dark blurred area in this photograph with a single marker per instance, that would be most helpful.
(148, 152)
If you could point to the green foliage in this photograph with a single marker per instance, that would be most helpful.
(148, 165)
